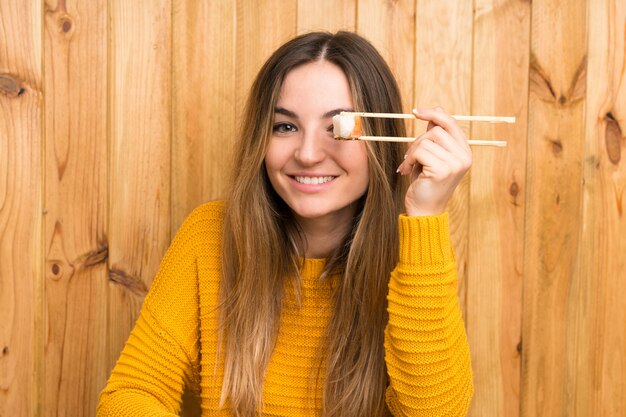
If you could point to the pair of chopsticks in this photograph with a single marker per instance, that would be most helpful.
(490, 119)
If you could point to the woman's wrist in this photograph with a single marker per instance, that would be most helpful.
(425, 240)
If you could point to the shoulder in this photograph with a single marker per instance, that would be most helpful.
(213, 210)
(205, 221)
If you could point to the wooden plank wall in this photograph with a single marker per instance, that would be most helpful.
(21, 200)
(117, 118)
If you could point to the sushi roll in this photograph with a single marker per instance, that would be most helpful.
(347, 126)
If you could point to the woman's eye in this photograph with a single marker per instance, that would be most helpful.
(284, 127)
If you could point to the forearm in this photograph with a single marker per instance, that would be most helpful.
(149, 376)
(427, 354)
(130, 403)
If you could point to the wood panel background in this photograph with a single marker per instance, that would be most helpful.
(117, 118)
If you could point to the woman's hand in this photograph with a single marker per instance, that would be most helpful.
(436, 161)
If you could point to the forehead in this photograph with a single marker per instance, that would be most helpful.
(319, 82)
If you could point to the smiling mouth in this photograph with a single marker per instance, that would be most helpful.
(313, 180)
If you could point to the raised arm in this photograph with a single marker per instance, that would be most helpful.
(427, 355)
(426, 348)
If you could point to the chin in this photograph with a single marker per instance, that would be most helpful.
(322, 211)
(311, 212)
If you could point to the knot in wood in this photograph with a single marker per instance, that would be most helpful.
(613, 138)
(557, 147)
(10, 86)
(132, 283)
(65, 24)
(58, 269)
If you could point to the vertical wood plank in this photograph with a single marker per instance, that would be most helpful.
(601, 311)
(21, 350)
(570, 202)
(496, 226)
(203, 112)
(203, 94)
(390, 26)
(75, 244)
(443, 59)
(259, 33)
(328, 15)
(140, 128)
(553, 207)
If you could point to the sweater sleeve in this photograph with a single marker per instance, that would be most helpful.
(161, 354)
(426, 348)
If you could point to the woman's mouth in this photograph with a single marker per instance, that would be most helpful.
(313, 180)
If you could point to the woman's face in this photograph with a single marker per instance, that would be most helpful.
(317, 176)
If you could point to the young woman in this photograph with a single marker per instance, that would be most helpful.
(308, 292)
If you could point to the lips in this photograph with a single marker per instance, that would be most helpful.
(313, 180)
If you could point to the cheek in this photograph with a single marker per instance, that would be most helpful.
(272, 169)
(364, 167)
(356, 163)
(365, 176)
(274, 158)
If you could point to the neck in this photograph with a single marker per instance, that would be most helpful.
(324, 235)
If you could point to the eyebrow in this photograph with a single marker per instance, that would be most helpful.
(289, 113)
(283, 111)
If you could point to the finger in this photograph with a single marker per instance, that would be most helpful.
(461, 142)
(461, 153)
(439, 117)
(448, 164)
(443, 139)
(451, 162)
(430, 165)
(425, 154)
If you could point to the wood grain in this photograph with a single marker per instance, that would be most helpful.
(203, 94)
(600, 340)
(553, 207)
(326, 15)
(126, 112)
(140, 157)
(443, 60)
(203, 112)
(262, 26)
(496, 226)
(75, 243)
(21, 189)
(397, 46)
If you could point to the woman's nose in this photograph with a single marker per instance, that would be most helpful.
(311, 148)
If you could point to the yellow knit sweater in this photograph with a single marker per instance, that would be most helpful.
(175, 339)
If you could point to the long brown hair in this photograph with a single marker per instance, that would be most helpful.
(263, 248)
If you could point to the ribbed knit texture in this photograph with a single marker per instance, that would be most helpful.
(174, 341)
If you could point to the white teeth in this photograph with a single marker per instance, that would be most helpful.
(313, 180)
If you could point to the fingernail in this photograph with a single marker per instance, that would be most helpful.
(406, 156)
(415, 111)
(398, 170)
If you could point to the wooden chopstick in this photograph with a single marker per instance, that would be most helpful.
(490, 119)
(473, 142)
